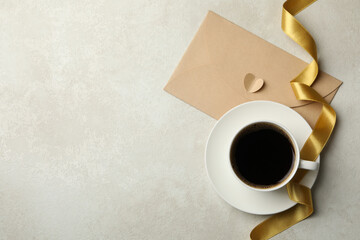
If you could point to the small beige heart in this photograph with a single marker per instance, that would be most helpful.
(251, 84)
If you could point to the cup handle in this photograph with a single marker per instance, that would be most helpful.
(309, 165)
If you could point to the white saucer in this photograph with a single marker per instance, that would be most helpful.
(217, 156)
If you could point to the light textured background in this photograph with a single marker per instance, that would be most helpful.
(91, 147)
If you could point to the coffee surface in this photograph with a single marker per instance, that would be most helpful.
(262, 155)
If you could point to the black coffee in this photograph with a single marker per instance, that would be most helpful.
(262, 155)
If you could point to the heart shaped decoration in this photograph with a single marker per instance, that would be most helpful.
(253, 84)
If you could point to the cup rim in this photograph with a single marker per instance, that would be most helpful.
(294, 167)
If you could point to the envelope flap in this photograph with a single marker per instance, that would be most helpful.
(210, 75)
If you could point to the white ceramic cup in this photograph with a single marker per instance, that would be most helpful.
(297, 162)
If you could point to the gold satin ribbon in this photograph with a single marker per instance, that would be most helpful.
(324, 126)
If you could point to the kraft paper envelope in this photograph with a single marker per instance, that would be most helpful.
(210, 75)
